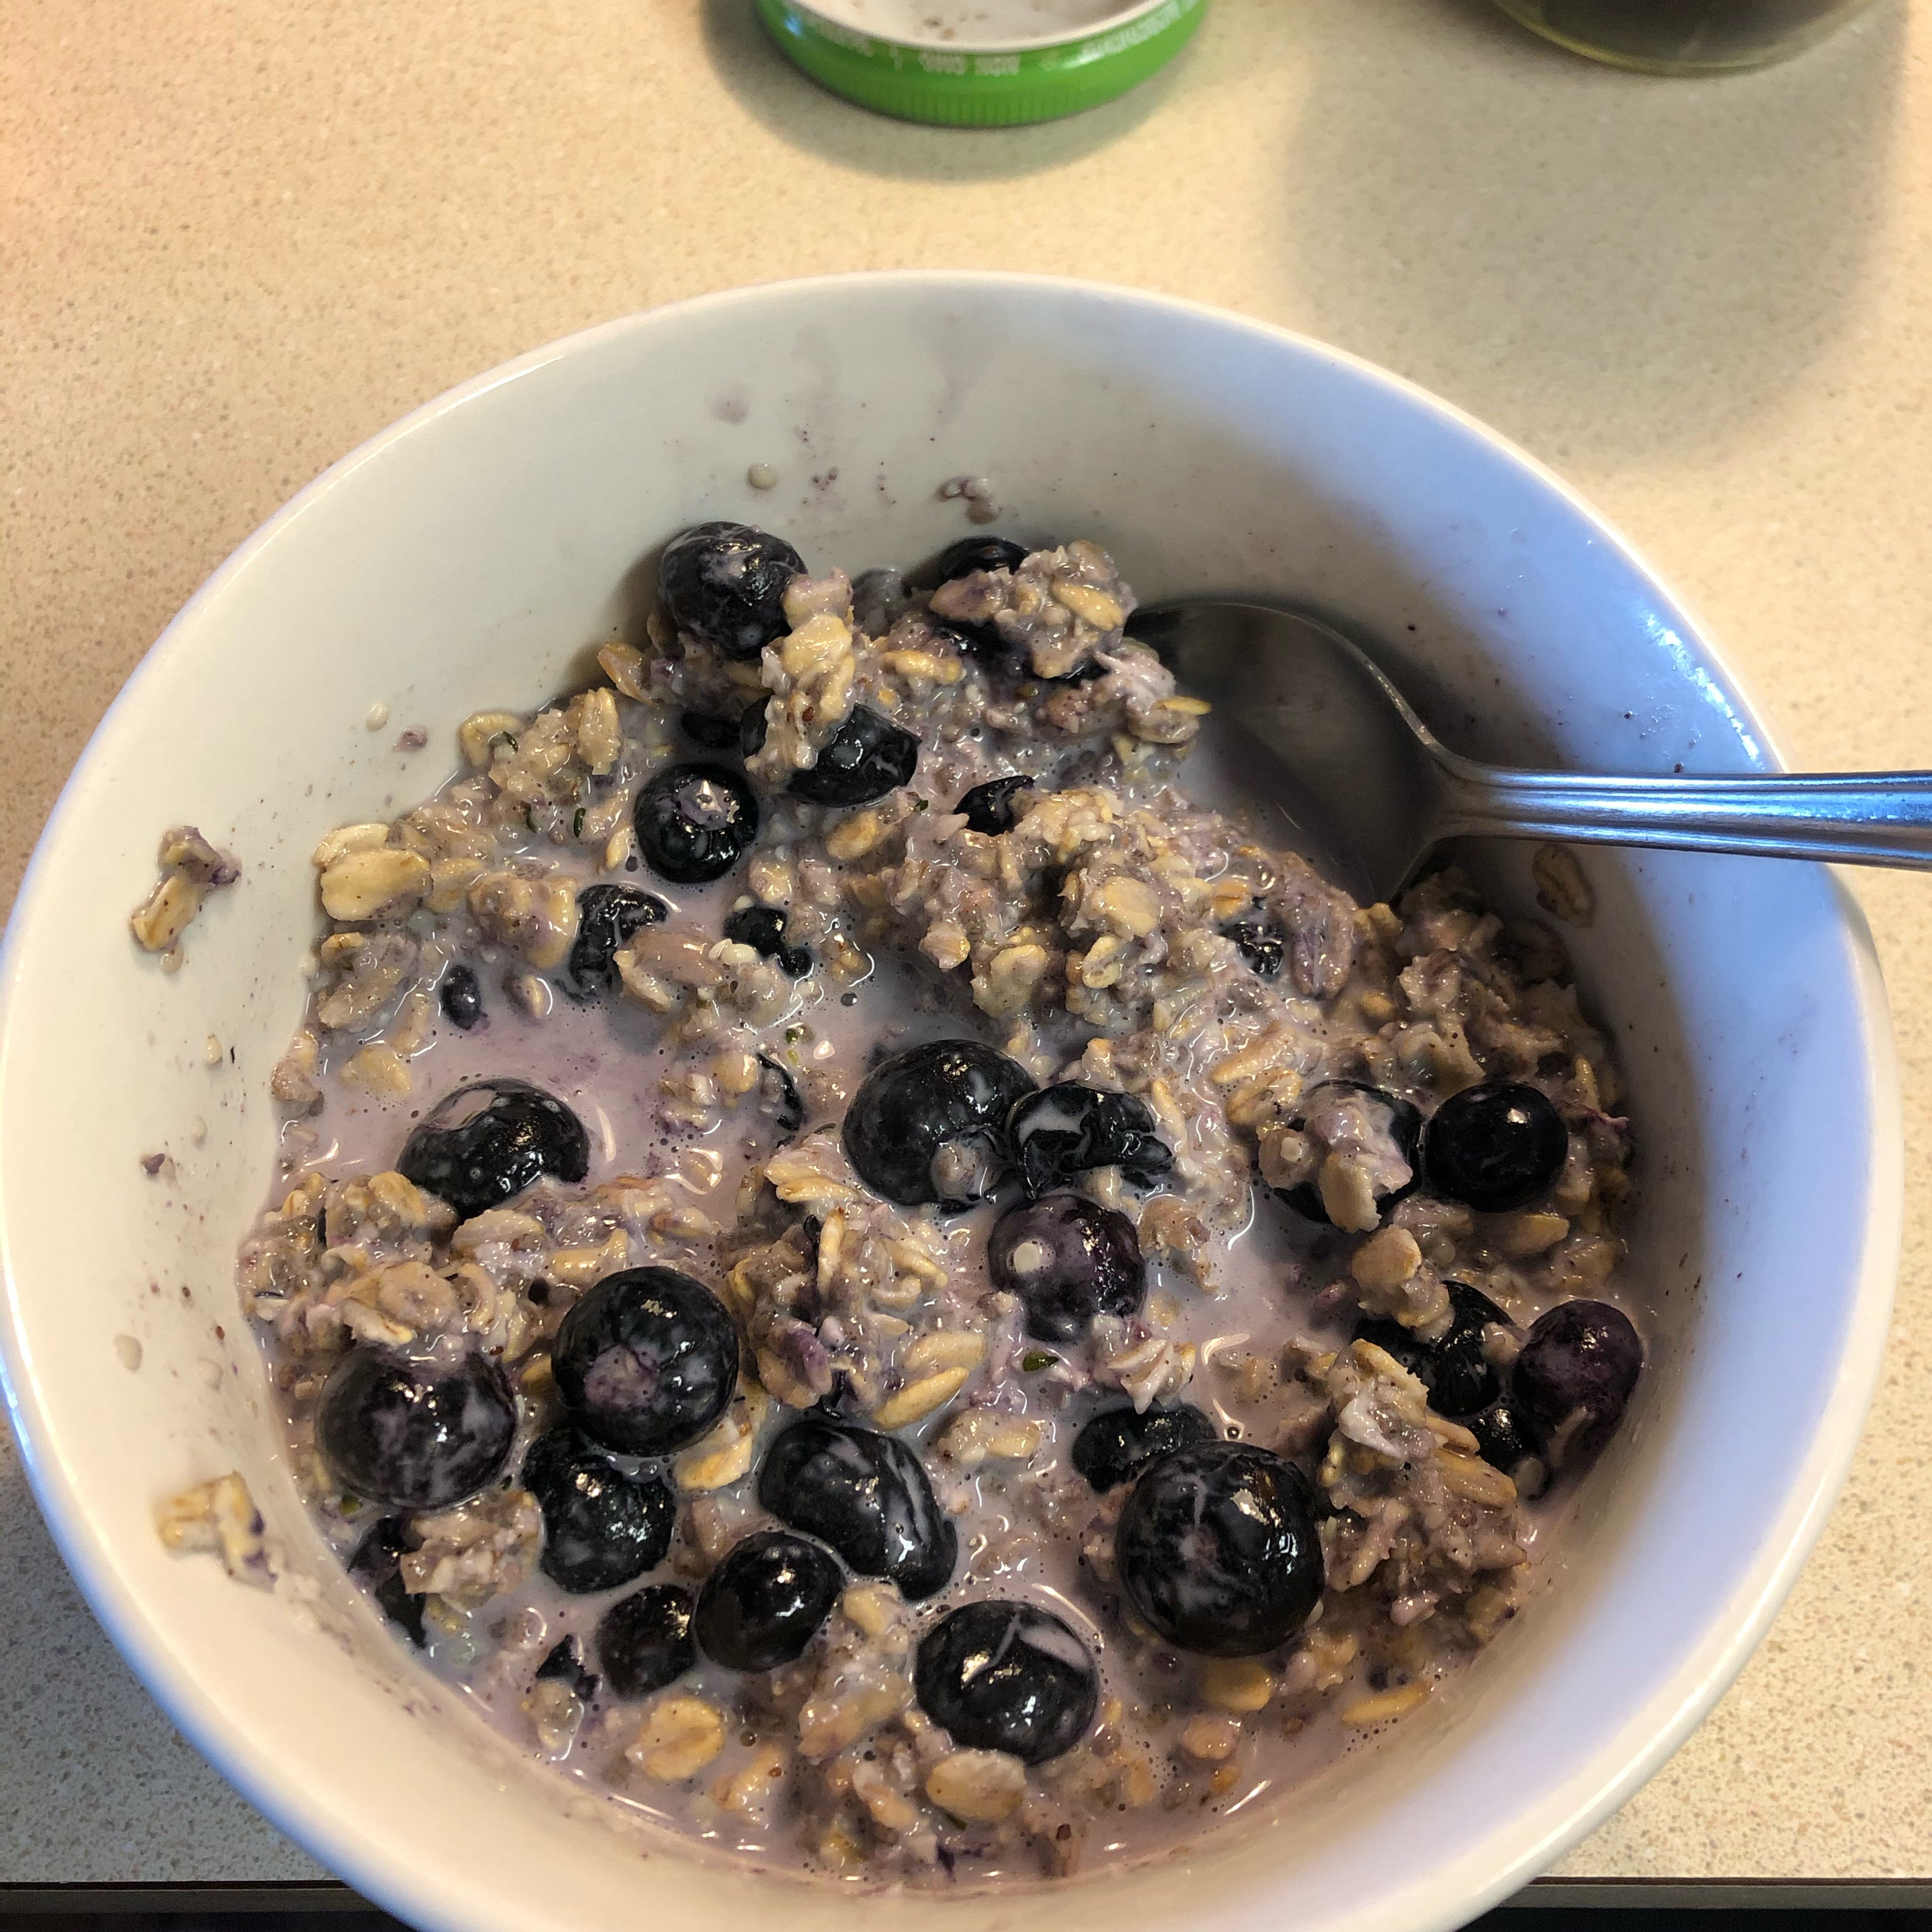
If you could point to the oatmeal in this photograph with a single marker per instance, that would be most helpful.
(892, 1287)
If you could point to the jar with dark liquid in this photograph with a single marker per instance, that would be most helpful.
(1684, 36)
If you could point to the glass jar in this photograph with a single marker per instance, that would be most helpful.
(1684, 36)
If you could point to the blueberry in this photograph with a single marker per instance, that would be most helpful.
(1495, 1146)
(1396, 1116)
(643, 1642)
(485, 1143)
(1114, 1447)
(647, 1362)
(1455, 1370)
(927, 1124)
(866, 1494)
(752, 725)
(1068, 1259)
(1217, 1549)
(694, 823)
(1574, 1378)
(462, 998)
(1263, 941)
(762, 928)
(780, 1091)
(607, 916)
(713, 733)
(1063, 1131)
(972, 553)
(564, 1663)
(1005, 1677)
(989, 807)
(1503, 1436)
(867, 757)
(765, 1602)
(602, 1527)
(376, 1564)
(415, 1435)
(725, 582)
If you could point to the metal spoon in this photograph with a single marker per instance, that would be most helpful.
(1381, 786)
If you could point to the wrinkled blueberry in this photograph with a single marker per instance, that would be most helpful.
(1068, 1259)
(694, 823)
(762, 928)
(726, 583)
(866, 1494)
(462, 998)
(1458, 1374)
(647, 1362)
(972, 553)
(607, 916)
(752, 725)
(643, 1641)
(1005, 1677)
(1263, 941)
(1495, 1146)
(1114, 1447)
(1217, 1549)
(563, 1662)
(1574, 1378)
(1504, 1437)
(868, 756)
(764, 1602)
(1064, 1131)
(601, 1528)
(713, 733)
(780, 1092)
(415, 1435)
(1404, 1124)
(485, 1143)
(376, 1563)
(928, 1124)
(988, 808)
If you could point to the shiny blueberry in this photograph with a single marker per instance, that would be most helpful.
(988, 808)
(1504, 1437)
(1005, 1677)
(765, 1602)
(753, 723)
(643, 1641)
(1068, 1259)
(712, 733)
(1062, 1132)
(1455, 1369)
(1495, 1146)
(1217, 1551)
(1574, 1378)
(602, 1527)
(415, 1435)
(762, 928)
(563, 1663)
(778, 1092)
(647, 1362)
(1263, 941)
(928, 1123)
(726, 583)
(866, 1494)
(1398, 1119)
(1116, 1445)
(972, 553)
(376, 1564)
(462, 998)
(867, 757)
(694, 823)
(485, 1143)
(607, 916)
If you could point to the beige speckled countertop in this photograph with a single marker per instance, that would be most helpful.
(243, 235)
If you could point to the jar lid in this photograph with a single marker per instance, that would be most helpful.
(980, 84)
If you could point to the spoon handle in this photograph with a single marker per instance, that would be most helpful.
(1859, 818)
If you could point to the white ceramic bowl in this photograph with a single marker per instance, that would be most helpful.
(467, 557)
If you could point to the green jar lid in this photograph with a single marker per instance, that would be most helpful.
(976, 86)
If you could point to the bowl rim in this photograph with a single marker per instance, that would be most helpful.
(1686, 1696)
